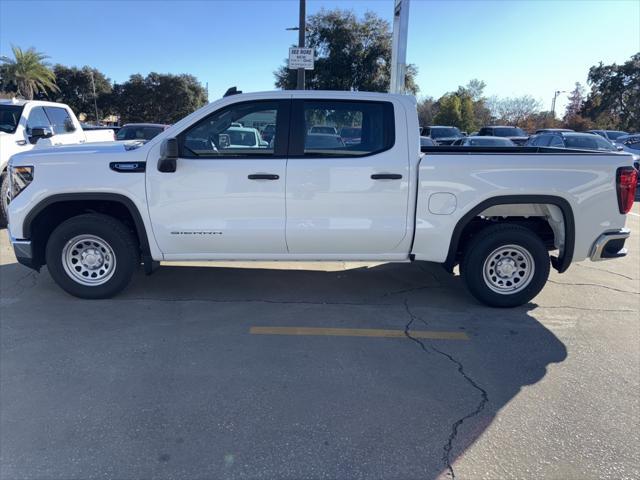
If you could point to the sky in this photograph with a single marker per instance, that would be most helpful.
(517, 47)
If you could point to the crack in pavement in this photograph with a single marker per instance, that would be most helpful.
(606, 271)
(18, 283)
(484, 397)
(407, 328)
(594, 285)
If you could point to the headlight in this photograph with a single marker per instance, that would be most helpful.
(19, 179)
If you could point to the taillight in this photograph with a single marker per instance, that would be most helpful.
(626, 184)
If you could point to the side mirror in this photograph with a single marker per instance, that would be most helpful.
(40, 132)
(619, 148)
(168, 155)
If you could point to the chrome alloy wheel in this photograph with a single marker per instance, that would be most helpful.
(508, 269)
(88, 260)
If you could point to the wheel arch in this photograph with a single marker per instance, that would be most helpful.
(77, 203)
(560, 263)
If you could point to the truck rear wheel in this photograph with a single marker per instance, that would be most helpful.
(505, 265)
(92, 256)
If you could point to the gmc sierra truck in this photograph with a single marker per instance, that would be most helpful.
(28, 124)
(205, 190)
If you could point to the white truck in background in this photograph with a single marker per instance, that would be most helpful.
(94, 213)
(28, 124)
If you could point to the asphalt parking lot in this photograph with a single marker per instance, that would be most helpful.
(321, 371)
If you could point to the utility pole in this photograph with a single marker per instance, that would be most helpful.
(302, 29)
(399, 46)
(553, 104)
(95, 101)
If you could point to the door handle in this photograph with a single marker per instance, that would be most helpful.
(263, 176)
(386, 176)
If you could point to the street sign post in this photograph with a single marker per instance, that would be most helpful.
(300, 58)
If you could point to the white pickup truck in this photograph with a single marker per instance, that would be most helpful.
(28, 124)
(94, 213)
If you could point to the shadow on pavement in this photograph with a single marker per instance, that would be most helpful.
(165, 381)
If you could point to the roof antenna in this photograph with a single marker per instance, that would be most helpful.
(232, 91)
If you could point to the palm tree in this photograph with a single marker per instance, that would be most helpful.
(29, 72)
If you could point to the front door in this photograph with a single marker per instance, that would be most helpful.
(347, 179)
(227, 196)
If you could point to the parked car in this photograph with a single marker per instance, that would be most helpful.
(610, 135)
(484, 141)
(442, 135)
(553, 130)
(319, 141)
(515, 134)
(630, 144)
(93, 220)
(324, 129)
(242, 137)
(575, 140)
(426, 142)
(351, 135)
(87, 126)
(28, 124)
(140, 131)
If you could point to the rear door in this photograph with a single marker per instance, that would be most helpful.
(347, 199)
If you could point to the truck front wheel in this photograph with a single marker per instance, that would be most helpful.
(92, 256)
(4, 198)
(505, 265)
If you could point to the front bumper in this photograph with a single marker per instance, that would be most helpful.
(610, 245)
(24, 253)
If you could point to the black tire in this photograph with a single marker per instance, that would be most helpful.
(516, 246)
(4, 190)
(121, 250)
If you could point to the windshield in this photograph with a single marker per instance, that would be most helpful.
(493, 142)
(316, 129)
(350, 132)
(588, 142)
(509, 132)
(614, 134)
(138, 132)
(10, 117)
(442, 132)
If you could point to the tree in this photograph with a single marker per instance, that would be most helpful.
(614, 100)
(75, 88)
(351, 54)
(513, 110)
(426, 111)
(576, 98)
(572, 117)
(158, 98)
(449, 112)
(467, 115)
(28, 73)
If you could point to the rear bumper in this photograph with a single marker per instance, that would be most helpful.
(24, 253)
(610, 245)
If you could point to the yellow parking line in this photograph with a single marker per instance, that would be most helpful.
(357, 332)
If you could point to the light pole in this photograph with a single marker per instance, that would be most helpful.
(302, 29)
(553, 103)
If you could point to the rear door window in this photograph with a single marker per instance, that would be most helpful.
(338, 128)
(61, 121)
